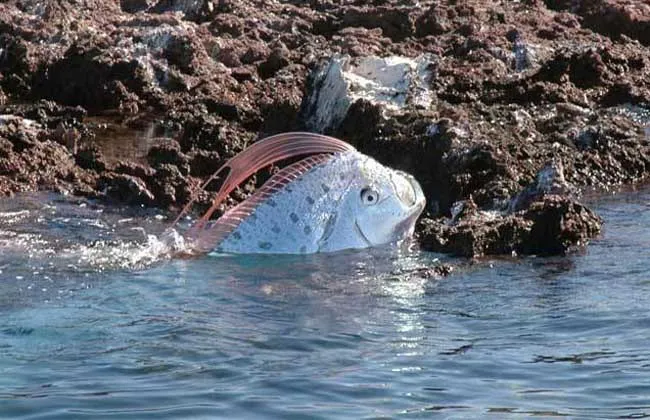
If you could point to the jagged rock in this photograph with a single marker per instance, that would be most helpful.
(91, 158)
(473, 98)
(392, 83)
(125, 189)
(168, 152)
(549, 181)
(554, 225)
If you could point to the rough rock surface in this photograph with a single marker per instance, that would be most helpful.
(138, 100)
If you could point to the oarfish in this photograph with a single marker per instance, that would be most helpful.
(333, 199)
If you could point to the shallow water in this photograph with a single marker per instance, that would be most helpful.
(96, 321)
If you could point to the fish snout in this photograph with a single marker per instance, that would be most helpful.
(408, 189)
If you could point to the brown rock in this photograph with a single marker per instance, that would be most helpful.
(125, 189)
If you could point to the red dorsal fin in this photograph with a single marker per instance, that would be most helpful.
(208, 239)
(261, 154)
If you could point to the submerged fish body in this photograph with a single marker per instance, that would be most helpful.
(347, 200)
(335, 199)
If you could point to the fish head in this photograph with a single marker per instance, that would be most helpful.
(385, 202)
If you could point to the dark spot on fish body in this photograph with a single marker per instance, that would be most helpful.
(271, 202)
(325, 188)
(303, 249)
(309, 200)
(342, 176)
(307, 230)
(275, 229)
(265, 245)
(294, 217)
(288, 189)
(236, 235)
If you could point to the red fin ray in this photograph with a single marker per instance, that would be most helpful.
(208, 239)
(262, 154)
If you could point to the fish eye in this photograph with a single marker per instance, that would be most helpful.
(369, 196)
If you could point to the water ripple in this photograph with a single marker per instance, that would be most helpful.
(96, 322)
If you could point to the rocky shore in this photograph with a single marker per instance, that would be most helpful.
(504, 111)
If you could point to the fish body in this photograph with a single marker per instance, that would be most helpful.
(330, 203)
(335, 198)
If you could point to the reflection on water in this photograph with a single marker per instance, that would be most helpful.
(97, 321)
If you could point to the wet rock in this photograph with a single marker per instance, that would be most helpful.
(481, 171)
(243, 74)
(613, 18)
(204, 131)
(549, 181)
(226, 23)
(46, 165)
(23, 133)
(559, 225)
(204, 163)
(48, 114)
(168, 152)
(276, 60)
(91, 158)
(195, 10)
(395, 23)
(134, 169)
(134, 6)
(86, 76)
(258, 52)
(179, 51)
(125, 189)
(433, 21)
(553, 225)
(169, 186)
(15, 65)
(228, 111)
(229, 56)
(6, 148)
(542, 219)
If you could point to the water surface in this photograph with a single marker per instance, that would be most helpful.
(97, 321)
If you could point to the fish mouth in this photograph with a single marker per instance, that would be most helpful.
(361, 234)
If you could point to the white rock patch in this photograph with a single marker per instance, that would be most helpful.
(393, 83)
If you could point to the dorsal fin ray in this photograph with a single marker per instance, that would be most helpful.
(208, 239)
(259, 155)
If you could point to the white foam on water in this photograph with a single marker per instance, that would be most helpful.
(71, 235)
(106, 255)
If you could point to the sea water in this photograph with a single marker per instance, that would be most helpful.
(99, 319)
